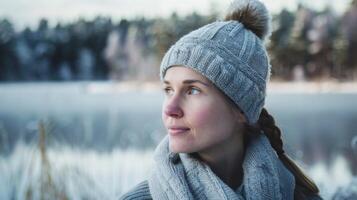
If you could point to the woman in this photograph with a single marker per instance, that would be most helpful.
(222, 143)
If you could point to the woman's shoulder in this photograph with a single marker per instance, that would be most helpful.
(314, 197)
(308, 197)
(304, 194)
(139, 192)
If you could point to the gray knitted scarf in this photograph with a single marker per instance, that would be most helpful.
(182, 177)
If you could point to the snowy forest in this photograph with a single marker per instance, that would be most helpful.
(305, 45)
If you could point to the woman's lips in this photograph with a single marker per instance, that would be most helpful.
(178, 130)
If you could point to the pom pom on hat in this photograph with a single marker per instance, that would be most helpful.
(252, 14)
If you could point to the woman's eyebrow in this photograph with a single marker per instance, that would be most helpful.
(195, 81)
(189, 82)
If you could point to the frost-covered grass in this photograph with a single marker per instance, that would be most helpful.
(330, 179)
(75, 174)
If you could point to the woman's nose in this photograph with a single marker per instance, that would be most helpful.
(172, 109)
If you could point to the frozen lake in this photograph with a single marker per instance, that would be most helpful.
(101, 135)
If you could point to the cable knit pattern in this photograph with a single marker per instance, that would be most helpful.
(182, 177)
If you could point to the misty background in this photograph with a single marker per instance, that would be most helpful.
(80, 97)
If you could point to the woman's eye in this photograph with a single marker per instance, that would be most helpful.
(194, 91)
(167, 90)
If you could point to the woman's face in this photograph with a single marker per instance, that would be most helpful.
(197, 116)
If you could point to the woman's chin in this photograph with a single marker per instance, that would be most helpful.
(175, 147)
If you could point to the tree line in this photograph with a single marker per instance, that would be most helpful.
(305, 45)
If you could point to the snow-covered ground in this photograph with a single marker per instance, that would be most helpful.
(313, 87)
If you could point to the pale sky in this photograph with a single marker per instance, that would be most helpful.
(28, 12)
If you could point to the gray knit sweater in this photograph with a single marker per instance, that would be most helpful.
(140, 192)
(179, 176)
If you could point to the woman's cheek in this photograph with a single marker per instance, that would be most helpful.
(202, 116)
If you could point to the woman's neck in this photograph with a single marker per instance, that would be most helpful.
(226, 160)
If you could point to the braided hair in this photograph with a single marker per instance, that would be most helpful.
(304, 185)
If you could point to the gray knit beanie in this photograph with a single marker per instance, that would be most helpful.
(231, 54)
